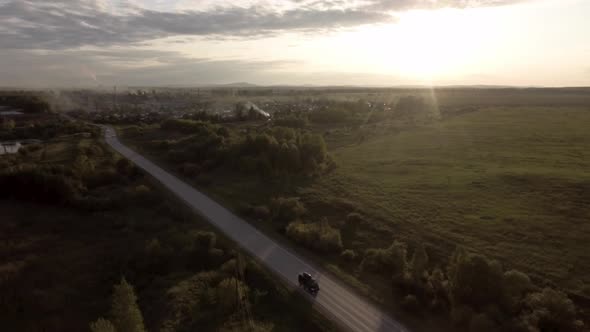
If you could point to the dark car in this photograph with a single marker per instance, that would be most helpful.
(308, 283)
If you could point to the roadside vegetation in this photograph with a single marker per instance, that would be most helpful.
(88, 242)
(457, 209)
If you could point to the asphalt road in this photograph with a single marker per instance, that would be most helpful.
(348, 309)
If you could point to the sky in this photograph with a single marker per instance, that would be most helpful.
(86, 43)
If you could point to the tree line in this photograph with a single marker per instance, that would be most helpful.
(476, 293)
(269, 151)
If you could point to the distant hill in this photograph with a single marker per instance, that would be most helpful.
(236, 85)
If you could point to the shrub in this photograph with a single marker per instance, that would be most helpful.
(261, 212)
(188, 126)
(143, 193)
(125, 313)
(216, 253)
(230, 292)
(312, 150)
(410, 303)
(102, 325)
(206, 240)
(390, 260)
(475, 281)
(126, 168)
(329, 116)
(419, 262)
(320, 236)
(102, 178)
(189, 169)
(230, 266)
(133, 131)
(153, 248)
(353, 220)
(348, 255)
(292, 121)
(552, 310)
(515, 285)
(461, 315)
(482, 323)
(203, 180)
(286, 209)
(437, 288)
(37, 185)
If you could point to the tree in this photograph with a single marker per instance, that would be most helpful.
(399, 256)
(313, 149)
(437, 287)
(230, 293)
(552, 310)
(8, 125)
(475, 281)
(392, 260)
(515, 284)
(125, 313)
(102, 325)
(482, 323)
(353, 220)
(286, 208)
(419, 262)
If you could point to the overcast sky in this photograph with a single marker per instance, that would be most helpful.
(322, 42)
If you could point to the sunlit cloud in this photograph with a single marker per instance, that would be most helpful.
(327, 41)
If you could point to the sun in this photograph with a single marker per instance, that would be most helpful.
(421, 46)
(439, 43)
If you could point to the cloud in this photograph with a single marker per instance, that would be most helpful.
(68, 24)
(63, 24)
(75, 42)
(127, 66)
(401, 5)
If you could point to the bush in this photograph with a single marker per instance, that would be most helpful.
(188, 126)
(312, 150)
(437, 289)
(461, 315)
(320, 236)
(392, 260)
(203, 180)
(329, 116)
(125, 313)
(552, 310)
(102, 178)
(37, 185)
(410, 303)
(143, 193)
(205, 240)
(230, 292)
(419, 263)
(515, 285)
(102, 325)
(475, 281)
(126, 168)
(190, 169)
(292, 121)
(353, 220)
(134, 131)
(286, 209)
(348, 255)
(261, 212)
(482, 323)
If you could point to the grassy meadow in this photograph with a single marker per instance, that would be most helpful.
(511, 183)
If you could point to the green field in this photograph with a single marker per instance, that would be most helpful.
(511, 183)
